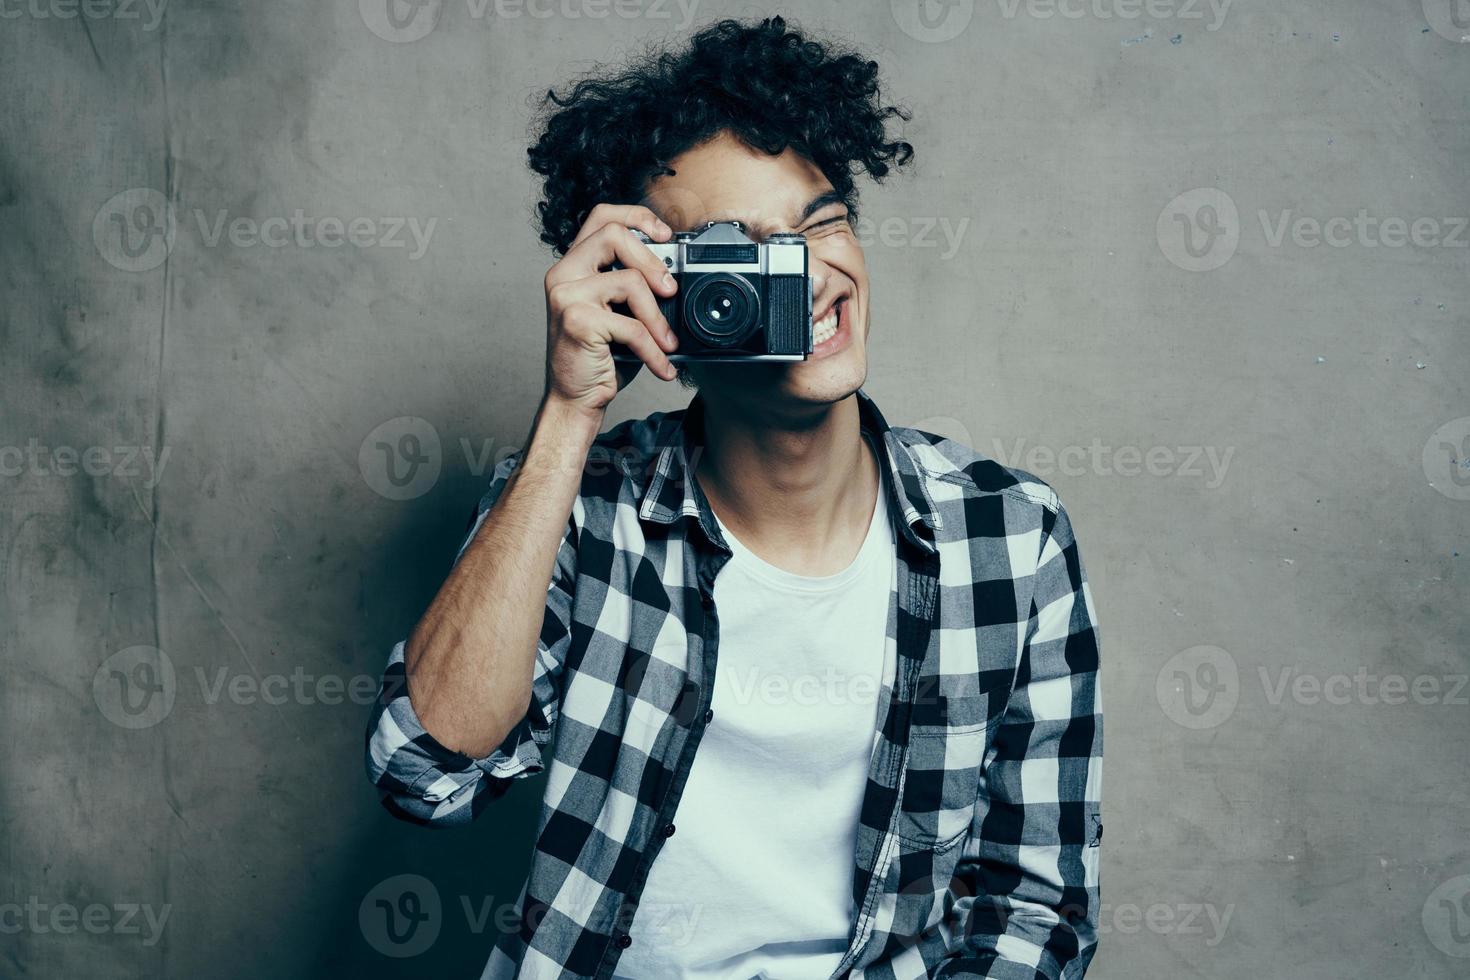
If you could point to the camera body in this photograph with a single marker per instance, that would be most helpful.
(738, 300)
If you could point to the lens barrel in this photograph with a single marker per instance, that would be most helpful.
(722, 309)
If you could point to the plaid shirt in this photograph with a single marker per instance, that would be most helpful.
(977, 846)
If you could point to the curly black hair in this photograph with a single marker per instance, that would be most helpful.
(769, 85)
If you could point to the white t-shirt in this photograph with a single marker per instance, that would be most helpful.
(756, 880)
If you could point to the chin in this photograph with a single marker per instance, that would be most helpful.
(838, 364)
(826, 381)
(836, 369)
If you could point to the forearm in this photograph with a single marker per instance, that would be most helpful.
(470, 658)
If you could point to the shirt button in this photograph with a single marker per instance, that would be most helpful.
(668, 830)
(624, 941)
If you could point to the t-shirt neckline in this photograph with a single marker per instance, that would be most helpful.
(868, 551)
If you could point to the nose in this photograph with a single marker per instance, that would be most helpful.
(821, 275)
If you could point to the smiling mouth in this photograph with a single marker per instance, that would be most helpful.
(825, 329)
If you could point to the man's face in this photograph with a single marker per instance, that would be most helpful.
(726, 180)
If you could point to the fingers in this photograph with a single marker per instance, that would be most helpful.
(614, 243)
(593, 326)
(586, 305)
(627, 215)
(627, 286)
(636, 337)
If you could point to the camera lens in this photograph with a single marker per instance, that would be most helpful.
(722, 310)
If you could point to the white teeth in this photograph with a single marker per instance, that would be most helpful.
(825, 328)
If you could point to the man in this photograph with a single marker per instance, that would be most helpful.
(815, 697)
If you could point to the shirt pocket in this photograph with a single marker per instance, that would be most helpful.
(947, 739)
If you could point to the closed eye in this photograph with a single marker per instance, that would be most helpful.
(826, 223)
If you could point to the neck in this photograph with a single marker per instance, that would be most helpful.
(798, 491)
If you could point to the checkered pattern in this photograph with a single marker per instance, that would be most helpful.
(978, 837)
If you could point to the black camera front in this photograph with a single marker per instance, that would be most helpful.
(721, 309)
(738, 300)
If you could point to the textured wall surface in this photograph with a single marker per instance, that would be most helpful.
(271, 308)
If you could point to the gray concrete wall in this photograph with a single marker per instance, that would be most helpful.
(1253, 428)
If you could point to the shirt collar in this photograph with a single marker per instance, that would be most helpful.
(670, 492)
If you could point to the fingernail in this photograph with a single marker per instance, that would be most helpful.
(668, 280)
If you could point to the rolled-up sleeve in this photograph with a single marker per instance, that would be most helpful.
(1030, 899)
(423, 781)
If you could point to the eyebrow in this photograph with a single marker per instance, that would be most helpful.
(818, 203)
(822, 200)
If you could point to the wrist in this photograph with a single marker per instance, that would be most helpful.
(569, 417)
(561, 436)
